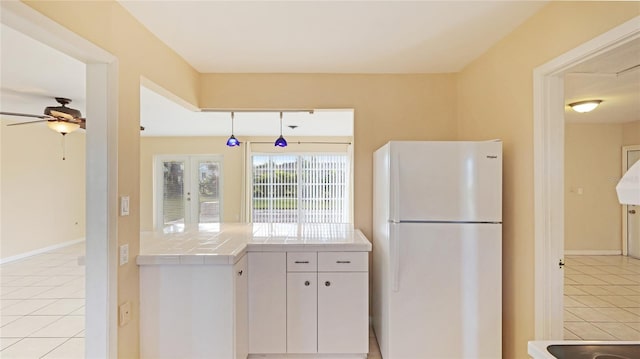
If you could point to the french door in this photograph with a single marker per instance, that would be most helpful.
(188, 190)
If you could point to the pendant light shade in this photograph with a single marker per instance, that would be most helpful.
(280, 142)
(232, 141)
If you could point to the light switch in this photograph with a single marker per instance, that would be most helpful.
(124, 205)
(124, 254)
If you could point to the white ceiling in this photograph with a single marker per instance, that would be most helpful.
(330, 36)
(614, 78)
(33, 73)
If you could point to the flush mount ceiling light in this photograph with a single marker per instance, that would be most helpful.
(585, 106)
(232, 141)
(280, 142)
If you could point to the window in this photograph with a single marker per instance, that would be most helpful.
(300, 188)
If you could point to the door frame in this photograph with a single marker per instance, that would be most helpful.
(548, 122)
(189, 161)
(101, 338)
(625, 208)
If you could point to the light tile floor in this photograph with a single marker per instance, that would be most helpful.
(42, 306)
(601, 298)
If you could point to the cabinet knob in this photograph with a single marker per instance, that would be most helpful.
(327, 284)
(240, 273)
(307, 283)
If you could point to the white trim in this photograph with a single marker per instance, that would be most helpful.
(40, 251)
(593, 252)
(625, 208)
(548, 122)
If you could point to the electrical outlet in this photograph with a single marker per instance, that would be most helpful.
(124, 254)
(124, 313)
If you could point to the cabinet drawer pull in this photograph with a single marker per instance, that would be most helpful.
(327, 284)
(301, 262)
(306, 283)
(240, 273)
(343, 262)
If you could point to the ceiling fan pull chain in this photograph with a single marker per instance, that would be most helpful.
(64, 154)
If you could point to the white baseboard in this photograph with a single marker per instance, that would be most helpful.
(593, 252)
(40, 251)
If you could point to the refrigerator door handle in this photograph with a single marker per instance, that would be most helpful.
(394, 211)
(395, 258)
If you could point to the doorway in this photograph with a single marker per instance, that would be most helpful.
(548, 175)
(187, 190)
(630, 213)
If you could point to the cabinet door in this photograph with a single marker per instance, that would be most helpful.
(241, 309)
(302, 314)
(343, 312)
(267, 302)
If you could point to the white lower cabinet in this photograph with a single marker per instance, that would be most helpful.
(267, 302)
(308, 302)
(302, 314)
(241, 321)
(193, 311)
(343, 312)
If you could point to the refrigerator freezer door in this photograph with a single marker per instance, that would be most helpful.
(446, 181)
(449, 291)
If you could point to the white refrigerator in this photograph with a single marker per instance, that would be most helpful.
(437, 250)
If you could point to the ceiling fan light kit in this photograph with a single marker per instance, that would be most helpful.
(62, 127)
(585, 106)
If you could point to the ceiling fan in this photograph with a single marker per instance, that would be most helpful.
(61, 119)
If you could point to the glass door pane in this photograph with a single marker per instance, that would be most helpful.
(173, 192)
(206, 205)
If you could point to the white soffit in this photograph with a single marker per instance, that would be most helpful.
(330, 36)
(162, 117)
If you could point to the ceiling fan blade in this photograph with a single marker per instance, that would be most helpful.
(26, 123)
(44, 117)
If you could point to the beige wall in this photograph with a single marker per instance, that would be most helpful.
(592, 169)
(43, 197)
(139, 54)
(495, 100)
(386, 107)
(631, 133)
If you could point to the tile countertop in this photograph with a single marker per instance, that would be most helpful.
(226, 243)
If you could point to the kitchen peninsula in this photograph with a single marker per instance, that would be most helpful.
(254, 290)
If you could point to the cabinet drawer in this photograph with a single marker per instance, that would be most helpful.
(343, 262)
(302, 261)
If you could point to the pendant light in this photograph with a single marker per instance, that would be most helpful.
(280, 142)
(232, 141)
